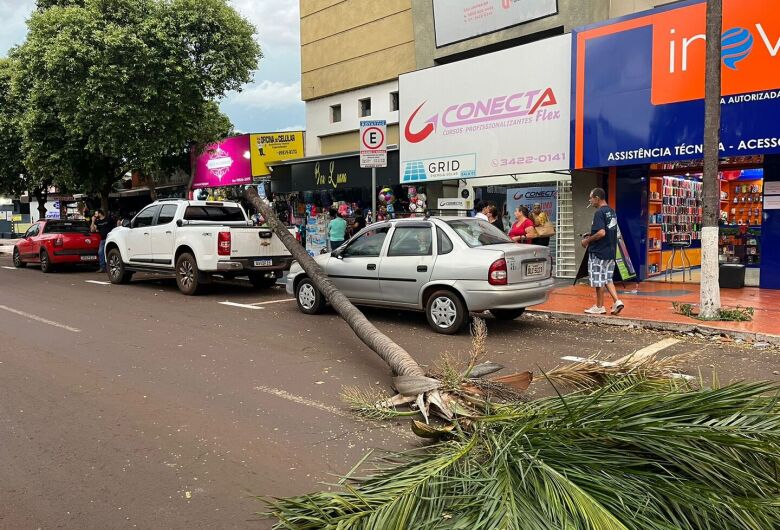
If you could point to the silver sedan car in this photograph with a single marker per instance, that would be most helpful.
(445, 266)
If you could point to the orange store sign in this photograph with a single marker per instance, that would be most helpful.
(750, 55)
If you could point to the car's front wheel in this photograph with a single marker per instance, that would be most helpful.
(46, 265)
(309, 298)
(18, 263)
(507, 314)
(187, 275)
(446, 312)
(116, 268)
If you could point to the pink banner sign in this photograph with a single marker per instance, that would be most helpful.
(225, 163)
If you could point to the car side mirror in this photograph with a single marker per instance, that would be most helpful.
(179, 223)
(126, 223)
(337, 254)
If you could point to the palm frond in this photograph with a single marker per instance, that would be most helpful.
(629, 456)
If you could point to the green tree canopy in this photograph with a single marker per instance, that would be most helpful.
(114, 85)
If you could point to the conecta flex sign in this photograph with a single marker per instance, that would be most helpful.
(487, 124)
(654, 110)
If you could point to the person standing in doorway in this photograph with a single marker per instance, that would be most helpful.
(337, 228)
(540, 219)
(481, 209)
(493, 218)
(601, 244)
(102, 225)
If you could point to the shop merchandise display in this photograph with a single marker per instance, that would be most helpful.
(417, 200)
(387, 198)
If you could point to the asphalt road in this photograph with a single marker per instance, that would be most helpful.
(134, 406)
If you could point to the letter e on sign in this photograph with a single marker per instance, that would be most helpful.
(373, 148)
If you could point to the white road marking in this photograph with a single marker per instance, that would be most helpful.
(332, 410)
(275, 301)
(97, 282)
(39, 319)
(574, 359)
(304, 401)
(10, 268)
(637, 355)
(245, 306)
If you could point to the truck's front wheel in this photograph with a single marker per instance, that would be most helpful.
(187, 274)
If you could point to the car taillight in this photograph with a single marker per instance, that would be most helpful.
(58, 242)
(497, 274)
(223, 244)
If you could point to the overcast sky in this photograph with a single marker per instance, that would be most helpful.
(270, 103)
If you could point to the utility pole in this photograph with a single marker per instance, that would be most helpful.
(710, 289)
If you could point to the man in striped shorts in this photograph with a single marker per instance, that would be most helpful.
(602, 248)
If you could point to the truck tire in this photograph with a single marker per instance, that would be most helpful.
(261, 281)
(187, 275)
(507, 314)
(309, 298)
(115, 267)
(46, 266)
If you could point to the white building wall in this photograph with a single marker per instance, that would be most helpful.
(318, 122)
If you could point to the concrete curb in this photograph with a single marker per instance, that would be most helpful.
(701, 327)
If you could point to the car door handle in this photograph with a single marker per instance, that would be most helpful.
(146, 233)
(422, 268)
(371, 266)
(168, 232)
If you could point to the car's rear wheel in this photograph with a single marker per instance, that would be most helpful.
(187, 275)
(18, 263)
(116, 268)
(507, 314)
(46, 265)
(262, 281)
(309, 298)
(446, 312)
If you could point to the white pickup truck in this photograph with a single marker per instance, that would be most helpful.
(196, 240)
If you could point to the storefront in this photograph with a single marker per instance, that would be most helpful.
(644, 128)
(499, 133)
(305, 190)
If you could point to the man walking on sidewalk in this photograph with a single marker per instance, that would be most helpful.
(602, 247)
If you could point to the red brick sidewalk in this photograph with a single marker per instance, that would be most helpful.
(651, 302)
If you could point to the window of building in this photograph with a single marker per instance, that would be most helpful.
(393, 101)
(364, 106)
(335, 113)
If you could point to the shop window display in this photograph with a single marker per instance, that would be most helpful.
(675, 212)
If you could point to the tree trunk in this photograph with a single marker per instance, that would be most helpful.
(41, 195)
(104, 198)
(152, 185)
(710, 289)
(394, 355)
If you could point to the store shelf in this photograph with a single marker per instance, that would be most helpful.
(655, 201)
(654, 226)
(654, 251)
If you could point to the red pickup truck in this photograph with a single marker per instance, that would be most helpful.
(57, 242)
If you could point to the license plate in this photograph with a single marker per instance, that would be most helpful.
(88, 258)
(534, 269)
(263, 262)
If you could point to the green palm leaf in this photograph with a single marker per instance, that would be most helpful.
(631, 456)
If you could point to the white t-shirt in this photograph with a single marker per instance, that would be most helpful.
(482, 216)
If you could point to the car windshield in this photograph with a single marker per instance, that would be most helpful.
(214, 213)
(478, 233)
(67, 227)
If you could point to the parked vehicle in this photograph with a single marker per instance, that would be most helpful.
(54, 242)
(445, 266)
(195, 240)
